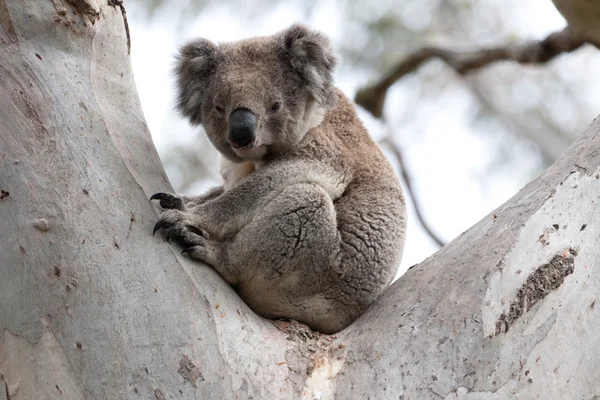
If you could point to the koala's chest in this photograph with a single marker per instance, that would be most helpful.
(232, 173)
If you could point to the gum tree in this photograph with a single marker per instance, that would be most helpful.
(93, 306)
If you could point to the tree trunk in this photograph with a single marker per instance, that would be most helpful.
(93, 306)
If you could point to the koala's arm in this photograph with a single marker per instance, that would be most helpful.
(191, 201)
(174, 202)
(227, 213)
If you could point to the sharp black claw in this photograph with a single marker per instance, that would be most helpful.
(170, 235)
(167, 200)
(157, 227)
(157, 196)
(195, 230)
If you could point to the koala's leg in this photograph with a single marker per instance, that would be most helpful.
(281, 263)
(297, 228)
(320, 262)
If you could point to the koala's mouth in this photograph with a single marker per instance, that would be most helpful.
(237, 146)
(254, 151)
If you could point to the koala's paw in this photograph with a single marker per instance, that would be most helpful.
(180, 227)
(169, 201)
(194, 240)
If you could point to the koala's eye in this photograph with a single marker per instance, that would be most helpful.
(276, 106)
(220, 110)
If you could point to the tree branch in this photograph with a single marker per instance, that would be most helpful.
(372, 98)
(461, 301)
(409, 189)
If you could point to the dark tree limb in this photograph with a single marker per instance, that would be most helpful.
(409, 189)
(372, 97)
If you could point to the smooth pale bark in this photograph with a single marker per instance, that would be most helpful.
(92, 305)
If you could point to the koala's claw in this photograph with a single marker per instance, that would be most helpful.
(196, 230)
(180, 230)
(168, 201)
(198, 252)
(159, 224)
(173, 233)
(189, 251)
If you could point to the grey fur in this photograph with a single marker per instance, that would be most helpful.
(311, 56)
(309, 224)
(197, 62)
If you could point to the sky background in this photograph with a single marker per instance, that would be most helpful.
(453, 161)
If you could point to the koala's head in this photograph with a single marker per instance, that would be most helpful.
(258, 96)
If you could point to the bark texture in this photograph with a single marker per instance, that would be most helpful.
(93, 306)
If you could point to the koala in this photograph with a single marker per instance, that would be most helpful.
(309, 222)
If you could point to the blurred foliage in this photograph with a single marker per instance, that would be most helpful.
(376, 35)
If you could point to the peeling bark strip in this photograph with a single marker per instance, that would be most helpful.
(539, 284)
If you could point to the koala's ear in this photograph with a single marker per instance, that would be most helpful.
(196, 64)
(311, 56)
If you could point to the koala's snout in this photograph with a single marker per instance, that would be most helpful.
(242, 128)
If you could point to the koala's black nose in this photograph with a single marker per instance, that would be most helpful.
(242, 127)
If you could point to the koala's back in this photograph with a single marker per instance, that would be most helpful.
(370, 213)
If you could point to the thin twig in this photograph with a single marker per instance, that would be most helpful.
(409, 188)
(372, 98)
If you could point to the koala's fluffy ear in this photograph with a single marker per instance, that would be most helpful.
(311, 55)
(196, 63)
